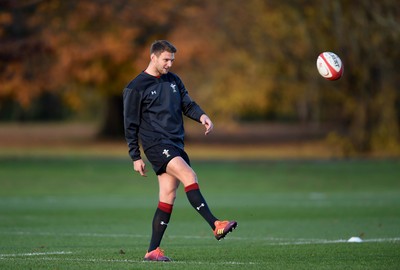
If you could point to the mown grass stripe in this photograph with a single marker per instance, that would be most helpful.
(273, 240)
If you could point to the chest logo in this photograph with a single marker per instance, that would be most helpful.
(173, 87)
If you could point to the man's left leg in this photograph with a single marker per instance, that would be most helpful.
(198, 202)
(181, 170)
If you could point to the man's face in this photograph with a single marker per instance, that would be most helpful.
(163, 62)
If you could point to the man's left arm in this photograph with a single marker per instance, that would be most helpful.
(192, 110)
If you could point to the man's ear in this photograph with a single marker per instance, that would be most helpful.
(153, 57)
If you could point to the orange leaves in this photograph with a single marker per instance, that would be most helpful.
(14, 84)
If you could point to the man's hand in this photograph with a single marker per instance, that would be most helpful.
(140, 167)
(206, 121)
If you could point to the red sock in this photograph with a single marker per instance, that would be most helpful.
(166, 207)
(192, 187)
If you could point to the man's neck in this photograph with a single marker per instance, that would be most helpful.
(151, 71)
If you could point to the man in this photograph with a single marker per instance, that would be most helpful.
(154, 105)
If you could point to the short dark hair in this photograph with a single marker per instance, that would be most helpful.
(159, 46)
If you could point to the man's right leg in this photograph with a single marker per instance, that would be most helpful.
(160, 223)
(168, 186)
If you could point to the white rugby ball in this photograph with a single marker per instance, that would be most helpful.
(330, 66)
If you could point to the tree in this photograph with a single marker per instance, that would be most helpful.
(24, 56)
(97, 52)
(242, 60)
(94, 46)
(367, 32)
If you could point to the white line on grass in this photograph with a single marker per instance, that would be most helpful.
(34, 254)
(105, 235)
(286, 242)
(325, 241)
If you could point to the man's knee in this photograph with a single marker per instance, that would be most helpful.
(168, 196)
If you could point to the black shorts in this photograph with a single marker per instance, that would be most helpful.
(160, 155)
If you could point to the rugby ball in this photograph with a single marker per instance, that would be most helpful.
(330, 66)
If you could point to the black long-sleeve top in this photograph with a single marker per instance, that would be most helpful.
(153, 111)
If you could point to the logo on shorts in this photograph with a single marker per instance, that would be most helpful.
(166, 153)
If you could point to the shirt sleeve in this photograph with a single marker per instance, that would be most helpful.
(132, 110)
(189, 108)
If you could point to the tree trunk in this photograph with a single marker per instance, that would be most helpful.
(113, 124)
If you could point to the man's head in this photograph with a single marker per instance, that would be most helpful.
(159, 46)
(162, 55)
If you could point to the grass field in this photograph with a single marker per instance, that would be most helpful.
(92, 213)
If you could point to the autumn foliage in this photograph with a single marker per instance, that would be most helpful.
(241, 60)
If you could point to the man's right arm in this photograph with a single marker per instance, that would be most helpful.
(132, 108)
(140, 167)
